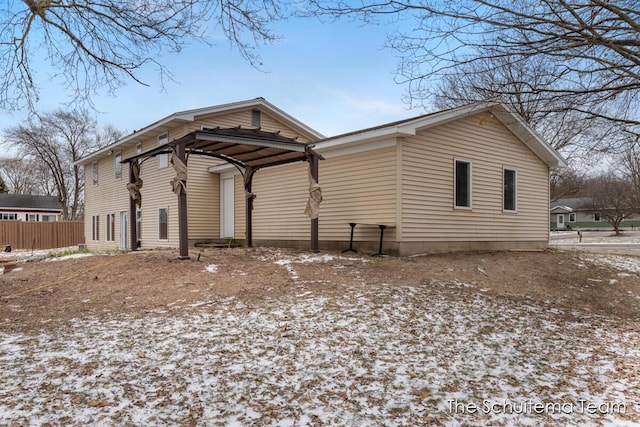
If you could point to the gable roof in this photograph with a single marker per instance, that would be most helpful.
(409, 127)
(573, 203)
(28, 201)
(561, 209)
(187, 116)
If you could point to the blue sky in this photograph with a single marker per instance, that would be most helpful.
(335, 77)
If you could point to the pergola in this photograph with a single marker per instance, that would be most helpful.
(248, 149)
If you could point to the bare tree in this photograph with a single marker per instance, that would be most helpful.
(19, 174)
(613, 197)
(55, 141)
(590, 47)
(568, 183)
(629, 164)
(558, 121)
(104, 44)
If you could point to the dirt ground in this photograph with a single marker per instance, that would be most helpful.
(44, 293)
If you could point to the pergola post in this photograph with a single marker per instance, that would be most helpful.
(183, 223)
(133, 230)
(313, 170)
(248, 206)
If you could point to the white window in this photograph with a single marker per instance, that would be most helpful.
(510, 189)
(163, 159)
(163, 223)
(255, 118)
(95, 228)
(33, 217)
(462, 183)
(117, 166)
(94, 172)
(9, 216)
(139, 151)
(139, 225)
(111, 227)
(49, 218)
(572, 217)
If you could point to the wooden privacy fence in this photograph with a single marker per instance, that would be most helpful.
(41, 235)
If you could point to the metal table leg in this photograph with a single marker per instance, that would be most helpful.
(382, 228)
(350, 249)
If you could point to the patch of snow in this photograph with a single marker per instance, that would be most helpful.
(211, 268)
(380, 355)
(70, 256)
(626, 263)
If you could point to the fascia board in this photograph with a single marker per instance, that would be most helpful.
(528, 136)
(192, 115)
(364, 137)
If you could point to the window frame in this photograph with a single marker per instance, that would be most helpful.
(95, 228)
(94, 173)
(111, 227)
(256, 118)
(7, 216)
(166, 238)
(572, 215)
(139, 224)
(506, 169)
(469, 185)
(117, 166)
(163, 159)
(597, 217)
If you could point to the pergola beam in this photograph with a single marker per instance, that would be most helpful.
(254, 149)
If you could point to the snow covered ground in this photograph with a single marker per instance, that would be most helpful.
(595, 238)
(441, 353)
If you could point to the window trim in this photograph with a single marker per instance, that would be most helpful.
(94, 173)
(8, 216)
(574, 216)
(166, 239)
(117, 166)
(515, 189)
(469, 184)
(95, 228)
(256, 118)
(163, 138)
(111, 227)
(139, 224)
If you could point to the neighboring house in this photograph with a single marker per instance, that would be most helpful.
(578, 213)
(469, 178)
(26, 207)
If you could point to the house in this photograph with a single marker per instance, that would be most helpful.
(468, 178)
(26, 207)
(578, 213)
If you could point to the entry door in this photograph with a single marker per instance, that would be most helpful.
(226, 208)
(124, 230)
(560, 220)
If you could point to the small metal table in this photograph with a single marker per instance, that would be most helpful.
(382, 227)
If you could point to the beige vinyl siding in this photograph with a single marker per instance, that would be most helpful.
(242, 118)
(239, 214)
(356, 188)
(111, 196)
(428, 185)
(203, 188)
(203, 199)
